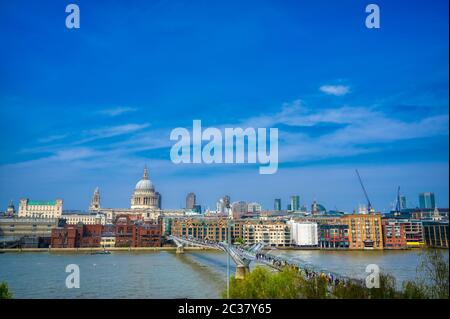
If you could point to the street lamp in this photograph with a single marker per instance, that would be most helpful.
(229, 225)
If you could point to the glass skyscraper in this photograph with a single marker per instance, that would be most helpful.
(295, 203)
(277, 204)
(403, 202)
(426, 200)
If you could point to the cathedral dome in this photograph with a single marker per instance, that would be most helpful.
(144, 184)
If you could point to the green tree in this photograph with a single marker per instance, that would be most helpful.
(434, 274)
(350, 290)
(289, 283)
(262, 283)
(387, 289)
(413, 290)
(4, 291)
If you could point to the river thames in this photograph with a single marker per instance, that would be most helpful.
(164, 274)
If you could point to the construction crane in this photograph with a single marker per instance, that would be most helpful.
(398, 207)
(369, 205)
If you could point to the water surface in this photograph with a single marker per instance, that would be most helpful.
(164, 274)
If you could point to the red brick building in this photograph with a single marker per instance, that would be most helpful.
(90, 235)
(394, 234)
(137, 233)
(74, 236)
(124, 231)
(127, 232)
(147, 235)
(65, 237)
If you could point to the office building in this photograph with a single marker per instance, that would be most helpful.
(303, 233)
(238, 209)
(214, 229)
(190, 201)
(27, 226)
(73, 218)
(254, 208)
(295, 203)
(40, 209)
(427, 200)
(277, 204)
(333, 236)
(403, 204)
(394, 234)
(436, 234)
(273, 233)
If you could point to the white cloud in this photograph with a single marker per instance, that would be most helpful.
(338, 90)
(115, 111)
(359, 128)
(52, 138)
(106, 132)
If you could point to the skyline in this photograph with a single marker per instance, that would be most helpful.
(90, 107)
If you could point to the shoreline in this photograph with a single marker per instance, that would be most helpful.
(171, 248)
(96, 249)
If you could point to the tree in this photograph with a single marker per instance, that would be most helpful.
(290, 283)
(4, 291)
(434, 277)
(413, 290)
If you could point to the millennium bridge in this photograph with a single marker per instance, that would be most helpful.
(244, 255)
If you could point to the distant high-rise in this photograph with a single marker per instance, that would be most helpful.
(158, 200)
(289, 207)
(403, 202)
(197, 209)
(254, 207)
(238, 209)
(190, 201)
(277, 204)
(295, 203)
(426, 200)
(227, 201)
(223, 204)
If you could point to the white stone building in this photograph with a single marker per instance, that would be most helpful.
(303, 233)
(87, 219)
(254, 207)
(272, 233)
(40, 209)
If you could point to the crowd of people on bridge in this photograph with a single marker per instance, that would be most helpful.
(278, 263)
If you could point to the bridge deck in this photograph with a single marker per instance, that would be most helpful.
(244, 256)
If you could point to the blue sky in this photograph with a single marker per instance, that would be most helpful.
(90, 107)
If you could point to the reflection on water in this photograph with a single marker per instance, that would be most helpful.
(199, 274)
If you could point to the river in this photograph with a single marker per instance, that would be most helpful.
(164, 274)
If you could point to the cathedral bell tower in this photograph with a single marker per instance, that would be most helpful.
(95, 201)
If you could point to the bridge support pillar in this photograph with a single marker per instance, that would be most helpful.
(242, 271)
(180, 250)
